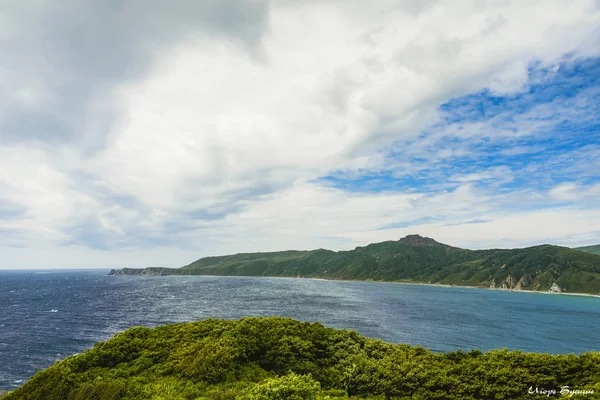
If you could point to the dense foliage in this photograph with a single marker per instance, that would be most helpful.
(415, 259)
(590, 249)
(280, 358)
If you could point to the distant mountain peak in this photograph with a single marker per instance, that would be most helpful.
(421, 241)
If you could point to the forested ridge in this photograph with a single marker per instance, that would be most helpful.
(414, 259)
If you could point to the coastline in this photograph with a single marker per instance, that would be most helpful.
(498, 289)
(395, 282)
(446, 285)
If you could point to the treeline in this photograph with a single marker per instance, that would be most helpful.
(282, 359)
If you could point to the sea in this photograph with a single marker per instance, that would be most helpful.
(46, 316)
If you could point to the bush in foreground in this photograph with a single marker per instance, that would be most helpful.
(283, 359)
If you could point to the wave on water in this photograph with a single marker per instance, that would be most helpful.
(93, 307)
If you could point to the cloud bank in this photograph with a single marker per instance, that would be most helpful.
(156, 133)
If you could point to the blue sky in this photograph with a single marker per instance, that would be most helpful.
(546, 133)
(161, 135)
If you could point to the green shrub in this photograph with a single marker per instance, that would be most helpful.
(287, 387)
(280, 358)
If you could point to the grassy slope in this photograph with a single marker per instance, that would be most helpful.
(280, 358)
(590, 249)
(539, 266)
(532, 268)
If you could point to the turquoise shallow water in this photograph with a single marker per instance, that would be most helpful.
(46, 316)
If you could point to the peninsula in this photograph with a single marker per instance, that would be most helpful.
(414, 259)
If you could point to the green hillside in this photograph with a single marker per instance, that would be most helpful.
(414, 259)
(590, 249)
(282, 359)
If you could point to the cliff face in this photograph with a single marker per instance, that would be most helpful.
(526, 282)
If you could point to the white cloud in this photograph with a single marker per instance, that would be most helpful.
(565, 192)
(498, 174)
(309, 216)
(571, 191)
(34, 182)
(217, 127)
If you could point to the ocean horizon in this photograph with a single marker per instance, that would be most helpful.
(52, 314)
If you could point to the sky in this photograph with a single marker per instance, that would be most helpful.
(153, 133)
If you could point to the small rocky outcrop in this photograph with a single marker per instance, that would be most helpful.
(523, 282)
(555, 288)
(421, 241)
(509, 283)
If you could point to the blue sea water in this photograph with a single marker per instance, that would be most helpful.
(46, 316)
